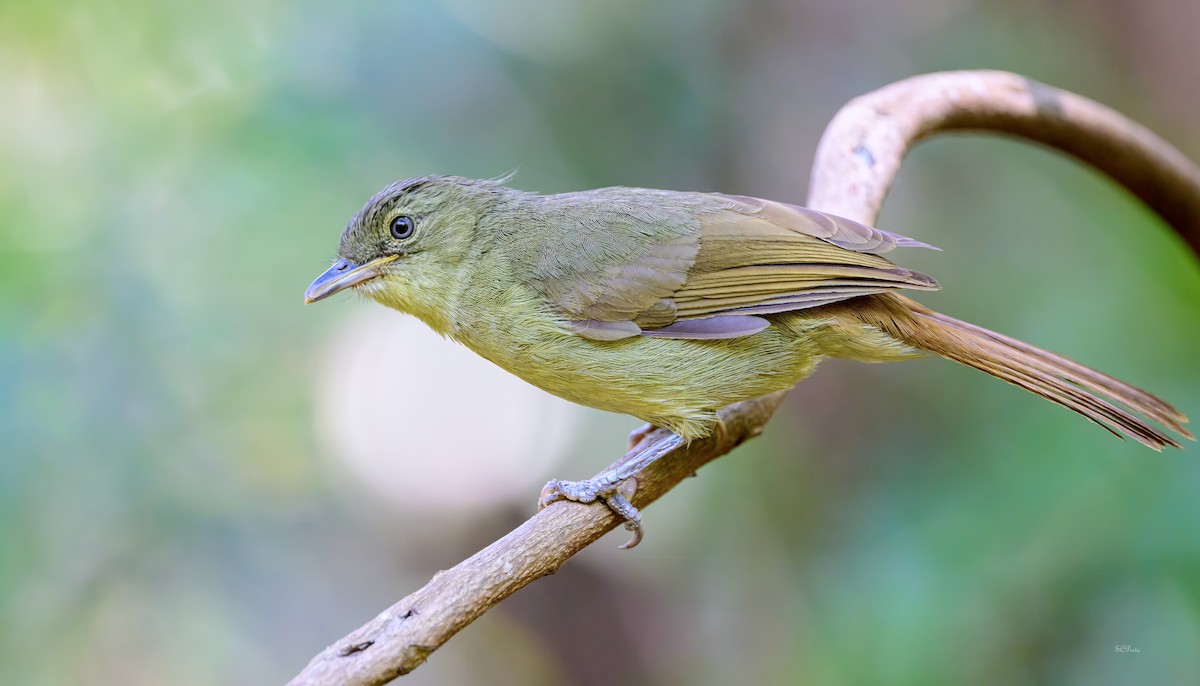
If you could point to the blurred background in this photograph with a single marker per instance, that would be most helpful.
(204, 482)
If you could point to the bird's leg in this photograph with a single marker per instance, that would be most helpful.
(639, 434)
(608, 486)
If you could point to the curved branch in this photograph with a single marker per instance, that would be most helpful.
(857, 160)
(862, 148)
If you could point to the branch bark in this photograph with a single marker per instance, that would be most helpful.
(862, 148)
(857, 160)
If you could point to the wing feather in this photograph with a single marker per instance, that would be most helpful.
(842, 232)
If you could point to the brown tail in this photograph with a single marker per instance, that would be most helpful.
(1090, 393)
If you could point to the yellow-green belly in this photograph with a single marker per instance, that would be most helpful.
(677, 384)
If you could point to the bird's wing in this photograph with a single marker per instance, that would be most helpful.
(738, 258)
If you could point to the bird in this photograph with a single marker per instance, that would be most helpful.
(669, 305)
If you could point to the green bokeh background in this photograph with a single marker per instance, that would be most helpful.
(173, 175)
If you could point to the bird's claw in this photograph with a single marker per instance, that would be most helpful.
(615, 496)
(619, 503)
(616, 486)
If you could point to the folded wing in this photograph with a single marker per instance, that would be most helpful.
(742, 258)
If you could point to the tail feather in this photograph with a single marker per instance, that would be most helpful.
(1115, 405)
(1098, 382)
(1023, 371)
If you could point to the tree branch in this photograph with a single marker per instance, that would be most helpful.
(857, 160)
(862, 148)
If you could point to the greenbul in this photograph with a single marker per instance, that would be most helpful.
(669, 305)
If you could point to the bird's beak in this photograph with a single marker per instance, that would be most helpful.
(342, 275)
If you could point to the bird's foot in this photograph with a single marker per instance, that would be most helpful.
(616, 496)
(615, 487)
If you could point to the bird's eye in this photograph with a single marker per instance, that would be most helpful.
(402, 227)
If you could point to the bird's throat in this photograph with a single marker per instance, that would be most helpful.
(431, 302)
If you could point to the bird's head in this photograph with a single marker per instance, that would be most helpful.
(405, 246)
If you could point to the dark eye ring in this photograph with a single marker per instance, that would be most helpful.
(402, 227)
